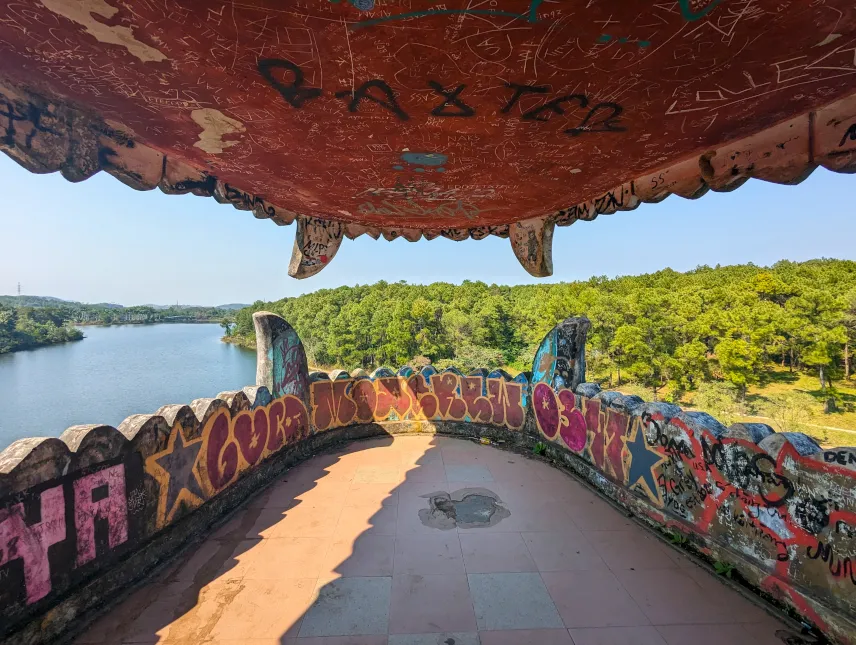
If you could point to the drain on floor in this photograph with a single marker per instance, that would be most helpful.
(467, 508)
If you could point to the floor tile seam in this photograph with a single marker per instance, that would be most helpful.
(524, 544)
(552, 599)
(460, 552)
(535, 562)
(470, 597)
(630, 595)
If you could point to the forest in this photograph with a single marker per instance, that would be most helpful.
(726, 328)
(29, 327)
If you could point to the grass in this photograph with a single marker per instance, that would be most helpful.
(783, 382)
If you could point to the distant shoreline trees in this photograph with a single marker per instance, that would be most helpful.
(31, 327)
(47, 321)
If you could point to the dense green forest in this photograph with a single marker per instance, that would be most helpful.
(28, 327)
(667, 332)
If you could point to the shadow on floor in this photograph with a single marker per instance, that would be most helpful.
(430, 540)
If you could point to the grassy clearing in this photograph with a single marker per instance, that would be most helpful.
(761, 401)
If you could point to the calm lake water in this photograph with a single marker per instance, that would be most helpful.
(113, 373)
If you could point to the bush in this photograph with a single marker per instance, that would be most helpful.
(720, 400)
(470, 357)
(791, 411)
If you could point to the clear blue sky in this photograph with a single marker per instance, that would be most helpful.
(100, 241)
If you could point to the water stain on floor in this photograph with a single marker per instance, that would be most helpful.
(467, 508)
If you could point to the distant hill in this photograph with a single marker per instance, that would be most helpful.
(34, 301)
(50, 301)
(104, 305)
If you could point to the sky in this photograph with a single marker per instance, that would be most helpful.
(101, 241)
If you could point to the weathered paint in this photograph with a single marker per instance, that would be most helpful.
(350, 116)
(777, 500)
(431, 395)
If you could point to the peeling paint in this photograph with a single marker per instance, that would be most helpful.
(215, 125)
(84, 13)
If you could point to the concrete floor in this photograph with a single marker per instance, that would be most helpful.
(336, 553)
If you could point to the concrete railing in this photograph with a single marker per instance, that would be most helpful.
(89, 514)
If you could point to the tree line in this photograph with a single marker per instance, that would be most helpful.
(29, 327)
(664, 330)
(33, 321)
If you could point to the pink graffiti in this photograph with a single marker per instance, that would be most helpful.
(112, 507)
(30, 543)
(574, 433)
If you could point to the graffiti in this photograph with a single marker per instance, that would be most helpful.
(840, 457)
(605, 38)
(176, 471)
(623, 198)
(423, 161)
(294, 93)
(839, 567)
(31, 115)
(773, 479)
(681, 491)
(692, 15)
(451, 209)
(672, 445)
(137, 500)
(245, 201)
(451, 99)
(849, 135)
(530, 16)
(191, 471)
(364, 92)
(607, 123)
(602, 117)
(233, 444)
(724, 487)
(30, 543)
(791, 515)
(745, 519)
(642, 464)
(289, 360)
(86, 516)
(100, 496)
(428, 396)
(811, 514)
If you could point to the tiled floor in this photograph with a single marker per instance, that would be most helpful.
(336, 554)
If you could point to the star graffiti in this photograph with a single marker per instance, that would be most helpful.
(175, 471)
(643, 461)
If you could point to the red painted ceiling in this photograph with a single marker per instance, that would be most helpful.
(424, 114)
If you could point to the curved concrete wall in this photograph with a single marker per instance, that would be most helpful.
(89, 513)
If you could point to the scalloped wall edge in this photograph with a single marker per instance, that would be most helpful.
(55, 136)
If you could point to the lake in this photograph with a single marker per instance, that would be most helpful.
(113, 373)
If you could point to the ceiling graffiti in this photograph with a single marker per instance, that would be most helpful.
(411, 118)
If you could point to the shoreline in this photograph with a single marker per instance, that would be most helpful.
(29, 348)
(239, 341)
(147, 322)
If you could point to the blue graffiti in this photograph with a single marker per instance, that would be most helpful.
(690, 15)
(605, 38)
(424, 161)
(424, 158)
(529, 16)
